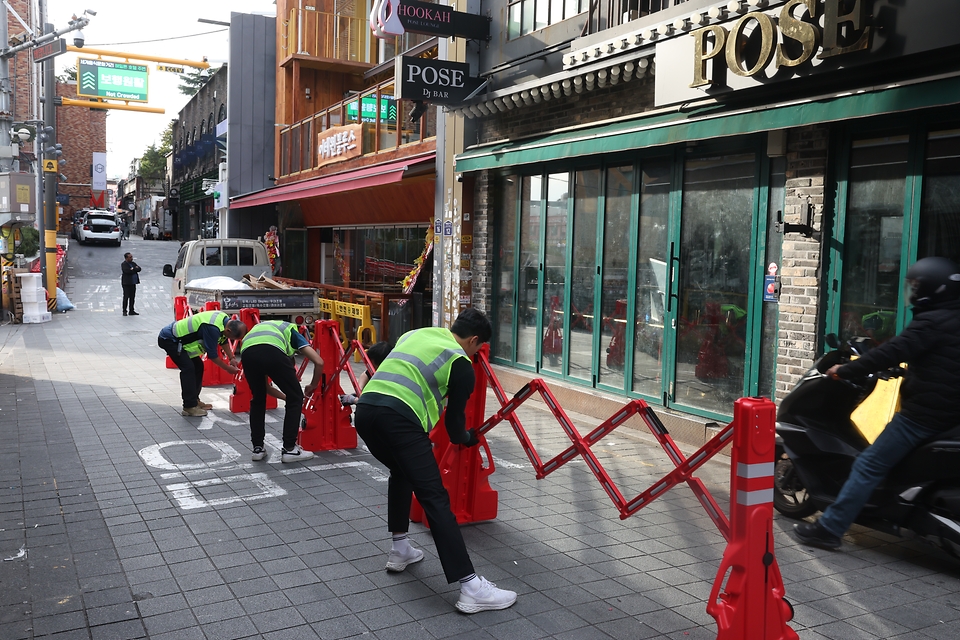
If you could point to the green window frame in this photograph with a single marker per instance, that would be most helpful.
(901, 241)
(525, 236)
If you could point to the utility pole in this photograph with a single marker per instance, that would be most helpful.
(47, 219)
(50, 223)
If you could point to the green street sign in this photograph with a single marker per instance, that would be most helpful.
(116, 80)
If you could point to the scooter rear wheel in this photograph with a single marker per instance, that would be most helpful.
(790, 497)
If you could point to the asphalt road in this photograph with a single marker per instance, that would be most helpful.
(103, 261)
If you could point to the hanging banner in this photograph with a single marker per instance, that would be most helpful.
(99, 182)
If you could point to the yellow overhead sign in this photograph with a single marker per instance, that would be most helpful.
(170, 68)
(50, 166)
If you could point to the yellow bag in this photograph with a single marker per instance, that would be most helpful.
(877, 409)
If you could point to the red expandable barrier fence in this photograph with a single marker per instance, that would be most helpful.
(747, 596)
(326, 422)
(581, 446)
(747, 599)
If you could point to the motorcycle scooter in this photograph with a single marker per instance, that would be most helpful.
(817, 442)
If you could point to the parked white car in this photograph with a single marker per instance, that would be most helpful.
(151, 232)
(100, 226)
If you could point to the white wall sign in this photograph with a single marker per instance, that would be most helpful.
(99, 182)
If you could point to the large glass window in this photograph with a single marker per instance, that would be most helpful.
(940, 208)
(586, 194)
(616, 263)
(378, 258)
(506, 264)
(528, 301)
(716, 223)
(527, 16)
(873, 236)
(554, 271)
(652, 283)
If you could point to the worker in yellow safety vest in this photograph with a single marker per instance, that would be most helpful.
(427, 369)
(188, 339)
(267, 352)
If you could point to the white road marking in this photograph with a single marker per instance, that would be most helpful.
(185, 494)
(153, 455)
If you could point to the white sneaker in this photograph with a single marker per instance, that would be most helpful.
(397, 561)
(295, 455)
(258, 454)
(487, 598)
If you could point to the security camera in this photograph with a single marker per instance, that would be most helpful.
(23, 133)
(90, 12)
(78, 39)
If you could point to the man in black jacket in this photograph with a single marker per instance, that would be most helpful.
(930, 394)
(129, 279)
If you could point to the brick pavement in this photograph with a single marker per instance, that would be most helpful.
(139, 523)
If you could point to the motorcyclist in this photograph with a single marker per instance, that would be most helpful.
(930, 394)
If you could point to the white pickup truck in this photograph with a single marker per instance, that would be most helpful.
(234, 258)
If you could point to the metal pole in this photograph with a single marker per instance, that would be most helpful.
(6, 164)
(50, 181)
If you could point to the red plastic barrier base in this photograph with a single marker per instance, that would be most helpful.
(241, 396)
(462, 469)
(180, 311)
(214, 375)
(326, 422)
(751, 604)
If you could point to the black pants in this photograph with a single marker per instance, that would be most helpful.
(129, 296)
(404, 448)
(264, 361)
(191, 371)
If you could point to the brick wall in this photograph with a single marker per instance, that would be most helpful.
(483, 245)
(82, 132)
(800, 275)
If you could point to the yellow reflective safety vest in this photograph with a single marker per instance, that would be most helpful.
(417, 372)
(187, 331)
(276, 333)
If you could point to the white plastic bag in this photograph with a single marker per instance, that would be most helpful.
(63, 302)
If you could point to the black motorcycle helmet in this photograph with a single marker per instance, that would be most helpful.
(933, 280)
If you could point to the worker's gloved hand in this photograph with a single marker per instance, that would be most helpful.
(348, 398)
(472, 438)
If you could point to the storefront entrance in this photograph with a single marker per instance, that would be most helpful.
(640, 276)
(898, 200)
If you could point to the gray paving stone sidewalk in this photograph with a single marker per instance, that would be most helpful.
(139, 523)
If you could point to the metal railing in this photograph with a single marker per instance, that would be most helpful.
(605, 14)
(386, 125)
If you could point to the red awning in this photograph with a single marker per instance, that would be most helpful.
(372, 176)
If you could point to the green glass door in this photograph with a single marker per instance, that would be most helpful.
(897, 201)
(715, 263)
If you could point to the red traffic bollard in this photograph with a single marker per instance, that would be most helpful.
(326, 422)
(752, 606)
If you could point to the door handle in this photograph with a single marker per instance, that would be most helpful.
(671, 277)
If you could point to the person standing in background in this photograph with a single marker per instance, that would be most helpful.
(129, 279)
